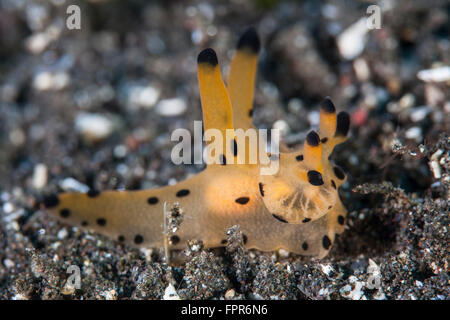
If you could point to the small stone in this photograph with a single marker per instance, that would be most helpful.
(326, 268)
(407, 101)
(282, 126)
(62, 234)
(120, 151)
(40, 175)
(8, 207)
(414, 133)
(93, 126)
(46, 80)
(230, 294)
(17, 137)
(142, 96)
(314, 118)
(352, 41)
(8, 263)
(109, 294)
(71, 184)
(171, 107)
(440, 74)
(362, 69)
(283, 253)
(419, 113)
(170, 293)
(436, 168)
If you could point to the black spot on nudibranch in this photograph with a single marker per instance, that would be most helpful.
(343, 124)
(249, 40)
(92, 193)
(324, 140)
(242, 200)
(235, 148)
(84, 223)
(299, 157)
(305, 246)
(327, 105)
(326, 242)
(182, 193)
(313, 139)
(315, 178)
(261, 189)
(224, 241)
(341, 220)
(339, 173)
(208, 56)
(279, 218)
(250, 113)
(138, 239)
(306, 220)
(174, 239)
(121, 238)
(64, 213)
(101, 221)
(244, 238)
(223, 160)
(152, 200)
(333, 184)
(51, 201)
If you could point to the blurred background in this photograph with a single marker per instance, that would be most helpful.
(95, 107)
(100, 101)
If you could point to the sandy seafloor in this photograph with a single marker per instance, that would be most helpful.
(131, 56)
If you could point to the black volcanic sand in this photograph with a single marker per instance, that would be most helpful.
(397, 157)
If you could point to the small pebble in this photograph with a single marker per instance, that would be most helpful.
(143, 96)
(440, 74)
(93, 126)
(230, 294)
(352, 41)
(70, 184)
(62, 234)
(8, 263)
(414, 133)
(170, 293)
(282, 126)
(120, 151)
(419, 113)
(362, 69)
(40, 175)
(51, 81)
(171, 107)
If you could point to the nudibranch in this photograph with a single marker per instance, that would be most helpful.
(297, 208)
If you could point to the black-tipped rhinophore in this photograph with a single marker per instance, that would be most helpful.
(51, 200)
(343, 123)
(327, 105)
(313, 139)
(208, 56)
(249, 40)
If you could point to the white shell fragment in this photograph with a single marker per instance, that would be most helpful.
(171, 107)
(170, 293)
(352, 41)
(440, 74)
(93, 126)
(40, 175)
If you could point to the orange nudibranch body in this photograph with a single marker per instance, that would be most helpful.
(297, 208)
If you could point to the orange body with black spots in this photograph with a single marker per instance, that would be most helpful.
(297, 208)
